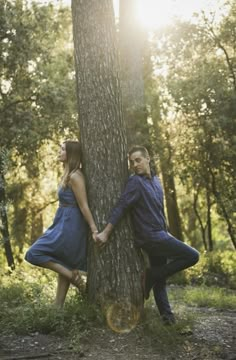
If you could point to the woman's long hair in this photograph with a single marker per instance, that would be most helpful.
(73, 160)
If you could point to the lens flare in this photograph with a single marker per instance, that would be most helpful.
(122, 317)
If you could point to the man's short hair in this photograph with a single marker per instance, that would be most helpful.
(140, 148)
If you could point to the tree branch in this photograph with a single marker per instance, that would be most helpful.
(220, 45)
(16, 103)
(45, 206)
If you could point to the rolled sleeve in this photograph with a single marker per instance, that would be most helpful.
(129, 197)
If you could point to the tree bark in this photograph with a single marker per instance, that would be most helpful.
(171, 198)
(4, 221)
(162, 147)
(202, 227)
(209, 225)
(223, 210)
(114, 271)
(131, 45)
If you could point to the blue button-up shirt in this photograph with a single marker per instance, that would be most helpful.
(143, 197)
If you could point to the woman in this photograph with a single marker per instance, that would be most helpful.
(62, 248)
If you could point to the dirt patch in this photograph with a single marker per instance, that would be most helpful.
(212, 337)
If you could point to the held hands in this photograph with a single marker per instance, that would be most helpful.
(101, 238)
(94, 235)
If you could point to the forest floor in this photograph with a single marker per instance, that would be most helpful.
(212, 336)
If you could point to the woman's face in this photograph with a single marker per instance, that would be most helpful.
(62, 153)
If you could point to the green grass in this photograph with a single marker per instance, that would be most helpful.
(27, 306)
(203, 296)
(166, 338)
(216, 268)
(26, 300)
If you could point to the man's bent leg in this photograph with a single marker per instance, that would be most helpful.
(180, 255)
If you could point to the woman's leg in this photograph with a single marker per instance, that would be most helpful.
(63, 281)
(62, 288)
(65, 277)
(58, 268)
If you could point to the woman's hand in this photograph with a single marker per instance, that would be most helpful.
(94, 235)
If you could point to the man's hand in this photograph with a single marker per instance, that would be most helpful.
(103, 236)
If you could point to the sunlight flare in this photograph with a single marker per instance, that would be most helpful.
(156, 13)
(153, 13)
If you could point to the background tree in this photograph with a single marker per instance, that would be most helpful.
(136, 77)
(200, 82)
(4, 230)
(37, 106)
(132, 38)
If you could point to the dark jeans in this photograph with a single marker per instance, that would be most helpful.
(167, 256)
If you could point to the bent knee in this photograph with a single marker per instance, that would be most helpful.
(195, 257)
(29, 257)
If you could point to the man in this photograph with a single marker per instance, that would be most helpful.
(143, 197)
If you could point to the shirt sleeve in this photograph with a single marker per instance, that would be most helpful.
(129, 197)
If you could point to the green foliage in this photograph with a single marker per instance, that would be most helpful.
(217, 298)
(27, 306)
(4, 154)
(196, 78)
(216, 268)
(37, 110)
(26, 299)
(37, 82)
(166, 337)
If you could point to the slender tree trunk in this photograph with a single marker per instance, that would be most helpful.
(114, 271)
(163, 148)
(223, 209)
(209, 227)
(202, 227)
(171, 199)
(164, 151)
(131, 43)
(4, 221)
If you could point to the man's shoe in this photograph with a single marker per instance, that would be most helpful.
(147, 283)
(168, 319)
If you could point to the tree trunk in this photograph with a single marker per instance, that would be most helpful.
(209, 226)
(114, 271)
(3, 219)
(171, 199)
(223, 210)
(132, 38)
(163, 148)
(202, 227)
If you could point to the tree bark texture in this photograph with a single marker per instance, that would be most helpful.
(4, 221)
(113, 271)
(209, 222)
(171, 199)
(131, 45)
(197, 213)
(223, 210)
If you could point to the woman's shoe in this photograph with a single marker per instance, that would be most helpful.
(76, 279)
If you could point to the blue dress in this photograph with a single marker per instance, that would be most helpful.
(64, 242)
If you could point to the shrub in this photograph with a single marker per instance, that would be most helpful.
(214, 268)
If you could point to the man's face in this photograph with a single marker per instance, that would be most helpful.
(139, 164)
